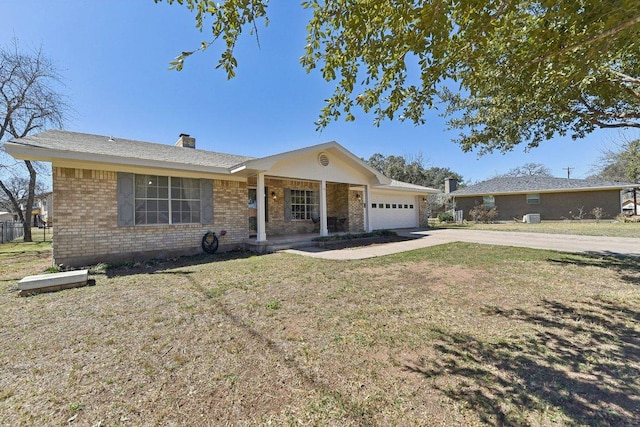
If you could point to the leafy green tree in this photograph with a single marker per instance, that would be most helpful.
(621, 164)
(29, 103)
(412, 170)
(528, 169)
(435, 177)
(507, 72)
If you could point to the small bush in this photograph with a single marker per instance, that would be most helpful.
(482, 214)
(597, 213)
(628, 218)
(445, 217)
(580, 214)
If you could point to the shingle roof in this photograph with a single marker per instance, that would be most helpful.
(407, 186)
(126, 148)
(60, 144)
(522, 184)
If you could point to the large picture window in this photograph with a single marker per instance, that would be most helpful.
(304, 204)
(166, 200)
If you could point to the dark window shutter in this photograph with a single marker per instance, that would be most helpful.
(206, 201)
(126, 199)
(287, 204)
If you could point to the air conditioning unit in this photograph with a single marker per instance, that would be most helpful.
(532, 218)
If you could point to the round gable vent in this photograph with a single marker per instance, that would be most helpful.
(323, 159)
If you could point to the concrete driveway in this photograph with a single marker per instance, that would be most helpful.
(621, 246)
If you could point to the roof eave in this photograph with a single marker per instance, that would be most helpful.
(426, 190)
(24, 152)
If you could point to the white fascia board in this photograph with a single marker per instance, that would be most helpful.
(389, 189)
(237, 168)
(23, 152)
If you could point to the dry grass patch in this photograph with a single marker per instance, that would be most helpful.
(22, 259)
(490, 336)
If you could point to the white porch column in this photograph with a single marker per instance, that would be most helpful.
(323, 208)
(261, 234)
(367, 207)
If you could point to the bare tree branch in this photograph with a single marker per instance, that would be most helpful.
(29, 101)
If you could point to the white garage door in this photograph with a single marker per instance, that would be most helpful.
(393, 211)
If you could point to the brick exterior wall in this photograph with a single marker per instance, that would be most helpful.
(338, 200)
(277, 225)
(275, 208)
(356, 211)
(230, 211)
(552, 206)
(86, 230)
(423, 213)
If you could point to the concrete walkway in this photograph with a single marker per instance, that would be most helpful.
(621, 246)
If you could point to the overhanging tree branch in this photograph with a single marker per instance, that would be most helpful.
(394, 59)
(601, 36)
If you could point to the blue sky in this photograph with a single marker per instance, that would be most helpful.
(114, 56)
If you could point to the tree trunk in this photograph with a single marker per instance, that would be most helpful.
(14, 202)
(29, 205)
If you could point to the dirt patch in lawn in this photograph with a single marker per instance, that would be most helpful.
(492, 336)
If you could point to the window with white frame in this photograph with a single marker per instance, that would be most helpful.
(533, 199)
(304, 204)
(489, 201)
(166, 200)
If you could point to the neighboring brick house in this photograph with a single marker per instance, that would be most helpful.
(117, 199)
(552, 198)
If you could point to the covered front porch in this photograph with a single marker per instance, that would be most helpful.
(315, 191)
(289, 209)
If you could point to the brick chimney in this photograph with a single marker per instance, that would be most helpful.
(186, 141)
(450, 184)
